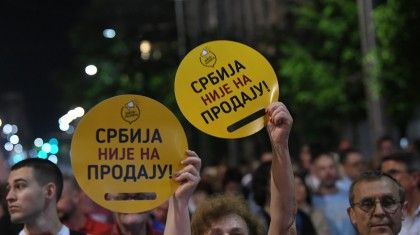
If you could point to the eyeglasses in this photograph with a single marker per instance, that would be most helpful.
(389, 204)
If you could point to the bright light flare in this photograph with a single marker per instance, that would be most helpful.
(53, 158)
(14, 139)
(109, 33)
(8, 146)
(46, 147)
(91, 70)
(7, 129)
(38, 142)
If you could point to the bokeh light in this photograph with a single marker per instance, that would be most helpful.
(91, 70)
(54, 149)
(53, 158)
(145, 46)
(42, 154)
(46, 147)
(7, 129)
(14, 139)
(8, 146)
(14, 129)
(53, 141)
(38, 142)
(1, 122)
(64, 126)
(33, 153)
(79, 111)
(17, 158)
(70, 130)
(109, 33)
(18, 148)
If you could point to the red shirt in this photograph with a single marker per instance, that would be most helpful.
(94, 227)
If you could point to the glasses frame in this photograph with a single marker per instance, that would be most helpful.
(377, 200)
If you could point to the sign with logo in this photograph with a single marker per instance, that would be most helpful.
(125, 152)
(223, 88)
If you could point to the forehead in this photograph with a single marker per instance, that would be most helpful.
(354, 156)
(391, 164)
(324, 160)
(25, 173)
(230, 222)
(375, 188)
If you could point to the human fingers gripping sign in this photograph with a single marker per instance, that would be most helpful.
(189, 176)
(125, 152)
(223, 87)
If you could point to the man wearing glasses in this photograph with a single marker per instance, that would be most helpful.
(405, 167)
(377, 202)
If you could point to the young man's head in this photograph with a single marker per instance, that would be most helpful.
(325, 169)
(404, 167)
(351, 160)
(376, 204)
(33, 185)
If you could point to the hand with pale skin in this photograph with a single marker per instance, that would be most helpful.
(283, 203)
(178, 220)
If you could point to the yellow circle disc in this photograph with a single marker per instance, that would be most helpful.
(223, 88)
(125, 152)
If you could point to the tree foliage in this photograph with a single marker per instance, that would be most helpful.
(320, 69)
(398, 34)
(121, 67)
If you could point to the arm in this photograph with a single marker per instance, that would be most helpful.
(283, 203)
(178, 219)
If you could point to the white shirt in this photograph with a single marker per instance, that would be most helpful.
(411, 225)
(63, 231)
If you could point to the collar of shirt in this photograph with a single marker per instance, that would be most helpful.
(63, 231)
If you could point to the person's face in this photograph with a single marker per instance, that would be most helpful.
(326, 171)
(300, 190)
(398, 170)
(231, 224)
(378, 221)
(131, 220)
(68, 203)
(25, 197)
(305, 157)
(386, 147)
(354, 165)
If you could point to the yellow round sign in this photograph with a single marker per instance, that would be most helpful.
(125, 152)
(223, 88)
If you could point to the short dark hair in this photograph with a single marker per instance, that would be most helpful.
(410, 160)
(374, 175)
(343, 154)
(45, 172)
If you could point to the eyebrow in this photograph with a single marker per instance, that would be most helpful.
(236, 229)
(381, 196)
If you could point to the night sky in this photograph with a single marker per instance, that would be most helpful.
(33, 46)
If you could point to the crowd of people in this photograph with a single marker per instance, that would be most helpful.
(324, 192)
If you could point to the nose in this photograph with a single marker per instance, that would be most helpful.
(378, 210)
(10, 196)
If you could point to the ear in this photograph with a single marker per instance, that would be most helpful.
(416, 177)
(404, 206)
(50, 191)
(352, 216)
